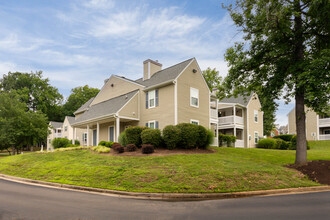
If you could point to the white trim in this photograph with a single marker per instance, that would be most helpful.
(317, 127)
(247, 129)
(117, 128)
(148, 69)
(176, 103)
(252, 98)
(192, 88)
(154, 91)
(227, 103)
(118, 77)
(194, 120)
(114, 131)
(171, 81)
(153, 121)
(254, 137)
(176, 79)
(124, 117)
(87, 135)
(94, 119)
(97, 133)
(254, 116)
(85, 141)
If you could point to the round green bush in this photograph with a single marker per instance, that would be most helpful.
(281, 144)
(188, 135)
(60, 142)
(122, 139)
(102, 143)
(284, 137)
(133, 135)
(202, 137)
(171, 136)
(293, 144)
(151, 136)
(267, 143)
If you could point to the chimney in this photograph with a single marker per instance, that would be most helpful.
(150, 67)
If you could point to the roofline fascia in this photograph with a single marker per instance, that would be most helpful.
(117, 113)
(160, 85)
(94, 119)
(128, 81)
(229, 103)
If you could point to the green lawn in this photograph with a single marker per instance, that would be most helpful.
(227, 170)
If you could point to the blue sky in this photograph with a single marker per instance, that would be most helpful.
(83, 42)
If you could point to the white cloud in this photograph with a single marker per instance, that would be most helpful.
(6, 67)
(99, 4)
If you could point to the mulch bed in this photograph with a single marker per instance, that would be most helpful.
(164, 152)
(317, 170)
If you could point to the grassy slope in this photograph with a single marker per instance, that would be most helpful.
(227, 170)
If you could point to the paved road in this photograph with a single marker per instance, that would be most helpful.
(20, 201)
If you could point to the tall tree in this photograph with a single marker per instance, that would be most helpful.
(285, 53)
(79, 96)
(35, 91)
(212, 78)
(19, 126)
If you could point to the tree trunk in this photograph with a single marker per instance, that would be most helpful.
(13, 150)
(301, 152)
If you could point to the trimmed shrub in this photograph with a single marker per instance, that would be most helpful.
(102, 143)
(147, 149)
(210, 137)
(171, 136)
(188, 135)
(109, 144)
(69, 149)
(133, 135)
(229, 140)
(281, 145)
(151, 136)
(293, 143)
(101, 149)
(77, 142)
(202, 137)
(122, 139)
(60, 142)
(131, 147)
(267, 143)
(118, 148)
(284, 137)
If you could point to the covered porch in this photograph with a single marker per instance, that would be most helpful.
(238, 132)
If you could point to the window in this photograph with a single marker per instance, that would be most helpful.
(255, 116)
(152, 124)
(111, 133)
(84, 138)
(194, 94)
(192, 121)
(152, 98)
(256, 137)
(65, 128)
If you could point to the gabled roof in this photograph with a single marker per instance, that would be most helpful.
(164, 75)
(56, 124)
(243, 100)
(105, 108)
(84, 106)
(71, 119)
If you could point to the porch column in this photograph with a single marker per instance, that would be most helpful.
(74, 135)
(234, 123)
(117, 128)
(87, 135)
(97, 133)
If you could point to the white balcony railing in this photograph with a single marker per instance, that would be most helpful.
(324, 121)
(58, 135)
(324, 137)
(214, 113)
(239, 143)
(228, 120)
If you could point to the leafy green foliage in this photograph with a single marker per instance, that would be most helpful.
(133, 135)
(171, 136)
(229, 140)
(212, 78)
(60, 142)
(267, 143)
(293, 144)
(79, 96)
(188, 135)
(284, 137)
(122, 139)
(100, 149)
(151, 136)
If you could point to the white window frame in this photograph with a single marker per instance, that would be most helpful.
(193, 120)
(84, 138)
(154, 122)
(114, 132)
(66, 128)
(152, 98)
(255, 113)
(256, 137)
(191, 91)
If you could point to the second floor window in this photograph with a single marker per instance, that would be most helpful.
(152, 98)
(255, 116)
(194, 97)
(66, 128)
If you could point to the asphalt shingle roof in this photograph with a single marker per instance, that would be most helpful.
(71, 119)
(106, 108)
(243, 100)
(56, 124)
(84, 106)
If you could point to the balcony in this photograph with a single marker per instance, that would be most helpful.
(214, 113)
(324, 137)
(324, 122)
(57, 135)
(230, 120)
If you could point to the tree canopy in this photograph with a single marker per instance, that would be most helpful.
(79, 96)
(285, 53)
(212, 78)
(35, 91)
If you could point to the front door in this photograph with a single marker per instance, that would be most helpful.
(111, 134)
(94, 138)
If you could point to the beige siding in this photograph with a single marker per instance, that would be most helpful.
(69, 133)
(311, 123)
(186, 112)
(153, 69)
(120, 87)
(292, 122)
(131, 108)
(78, 115)
(164, 112)
(253, 126)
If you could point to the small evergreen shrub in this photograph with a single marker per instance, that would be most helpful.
(122, 139)
(281, 144)
(147, 149)
(102, 143)
(133, 135)
(229, 140)
(293, 143)
(109, 144)
(188, 135)
(284, 137)
(118, 148)
(151, 136)
(210, 137)
(267, 143)
(202, 141)
(76, 142)
(60, 142)
(101, 149)
(171, 136)
(131, 147)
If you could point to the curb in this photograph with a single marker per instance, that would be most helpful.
(169, 196)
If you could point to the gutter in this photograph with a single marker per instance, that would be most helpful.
(94, 119)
